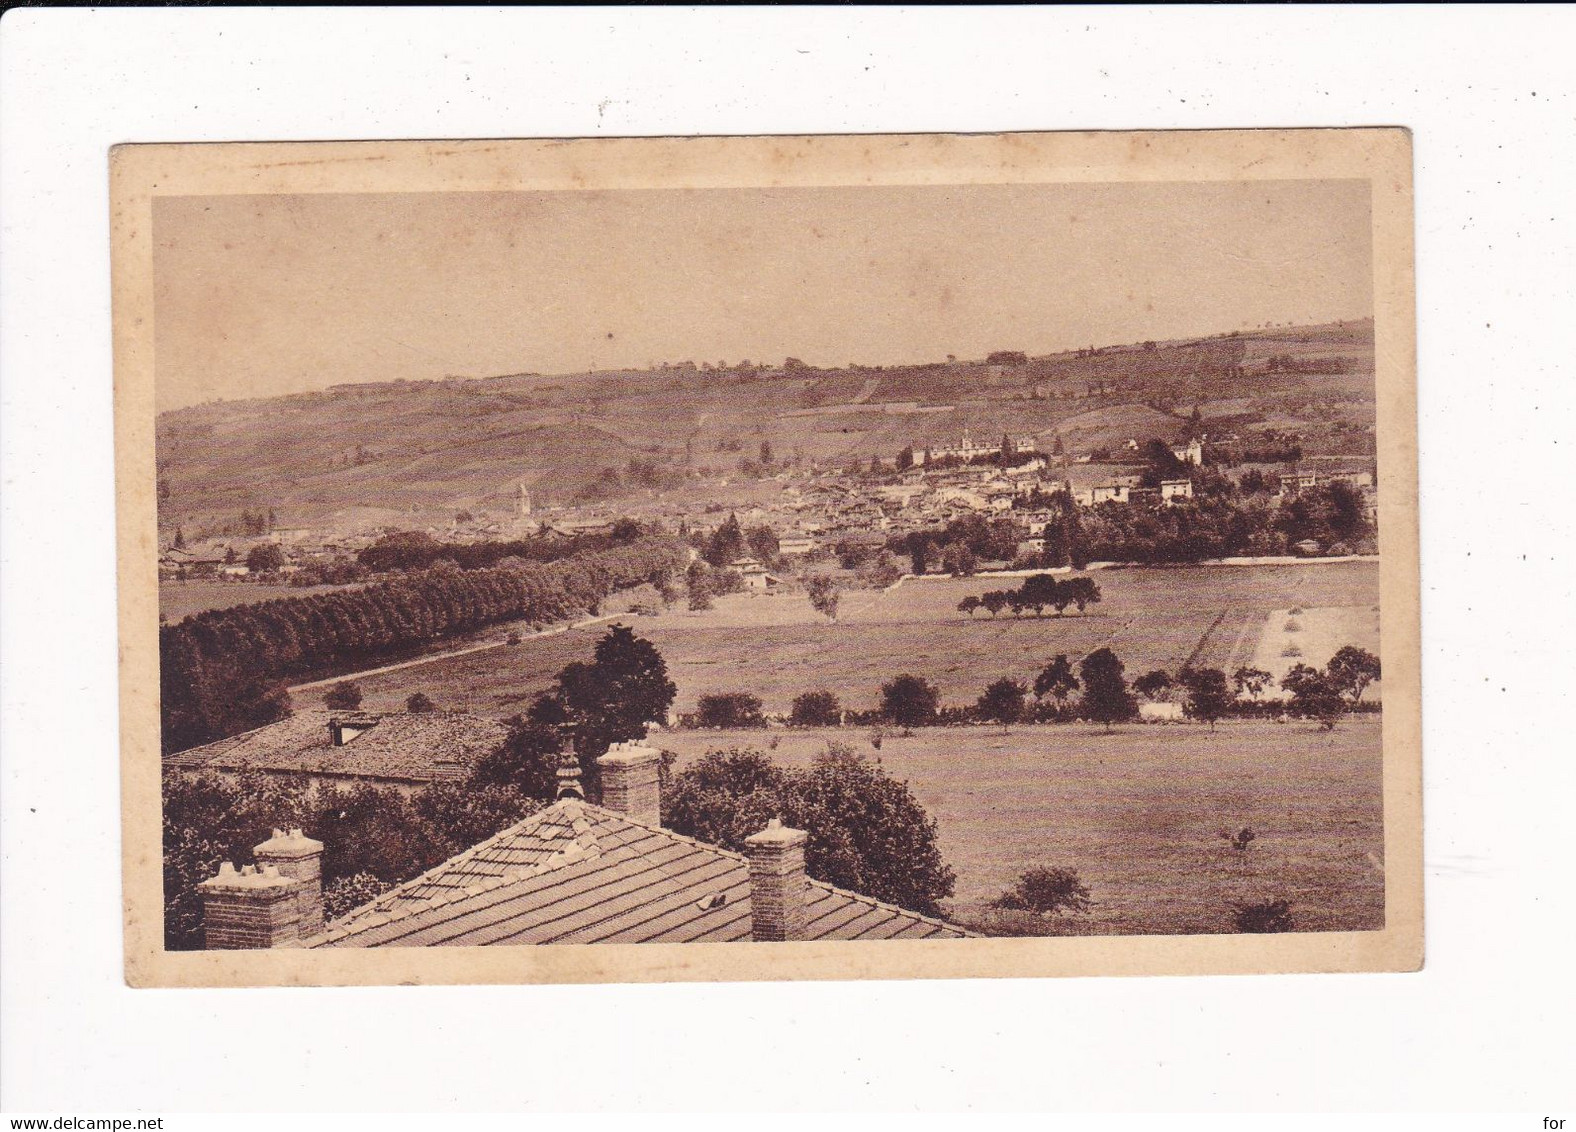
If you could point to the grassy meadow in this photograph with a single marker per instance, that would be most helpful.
(1138, 812)
(777, 647)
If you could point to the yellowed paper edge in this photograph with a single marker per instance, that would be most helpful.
(1382, 156)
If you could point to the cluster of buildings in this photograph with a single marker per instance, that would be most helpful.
(226, 556)
(811, 510)
(968, 449)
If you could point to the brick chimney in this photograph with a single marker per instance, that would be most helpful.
(630, 783)
(299, 858)
(249, 908)
(778, 886)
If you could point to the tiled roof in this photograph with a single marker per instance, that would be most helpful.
(576, 873)
(403, 746)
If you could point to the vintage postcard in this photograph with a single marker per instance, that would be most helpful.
(768, 558)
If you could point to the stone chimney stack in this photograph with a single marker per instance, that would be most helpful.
(778, 887)
(299, 858)
(249, 908)
(630, 783)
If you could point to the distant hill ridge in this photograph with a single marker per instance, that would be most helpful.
(408, 451)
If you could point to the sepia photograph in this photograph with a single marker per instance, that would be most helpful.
(927, 555)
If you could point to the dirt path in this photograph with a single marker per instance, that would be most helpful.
(555, 631)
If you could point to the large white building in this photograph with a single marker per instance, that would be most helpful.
(970, 449)
(1190, 453)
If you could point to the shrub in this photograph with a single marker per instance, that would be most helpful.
(1241, 839)
(343, 696)
(1047, 890)
(1264, 917)
(730, 710)
(815, 709)
(1291, 650)
(1292, 627)
(909, 701)
(419, 702)
(512, 639)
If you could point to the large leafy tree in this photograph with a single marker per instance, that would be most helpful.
(264, 557)
(958, 560)
(1056, 680)
(763, 541)
(1002, 702)
(867, 831)
(1083, 590)
(1105, 698)
(526, 760)
(726, 543)
(1315, 694)
(823, 592)
(1250, 681)
(909, 701)
(1207, 694)
(1153, 685)
(729, 709)
(611, 699)
(1352, 669)
(1040, 590)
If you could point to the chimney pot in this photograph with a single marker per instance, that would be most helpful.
(779, 889)
(250, 908)
(631, 781)
(299, 858)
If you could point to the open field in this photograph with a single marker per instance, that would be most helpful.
(1314, 635)
(776, 647)
(1138, 814)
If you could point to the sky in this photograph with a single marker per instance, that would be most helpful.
(257, 296)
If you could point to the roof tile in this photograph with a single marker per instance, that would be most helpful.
(617, 881)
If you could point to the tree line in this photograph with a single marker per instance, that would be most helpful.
(1107, 696)
(224, 671)
(1220, 521)
(1037, 593)
(417, 550)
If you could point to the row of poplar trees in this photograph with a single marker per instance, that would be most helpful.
(225, 671)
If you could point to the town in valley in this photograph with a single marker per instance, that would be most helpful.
(1080, 643)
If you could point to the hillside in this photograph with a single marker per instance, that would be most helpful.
(415, 452)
